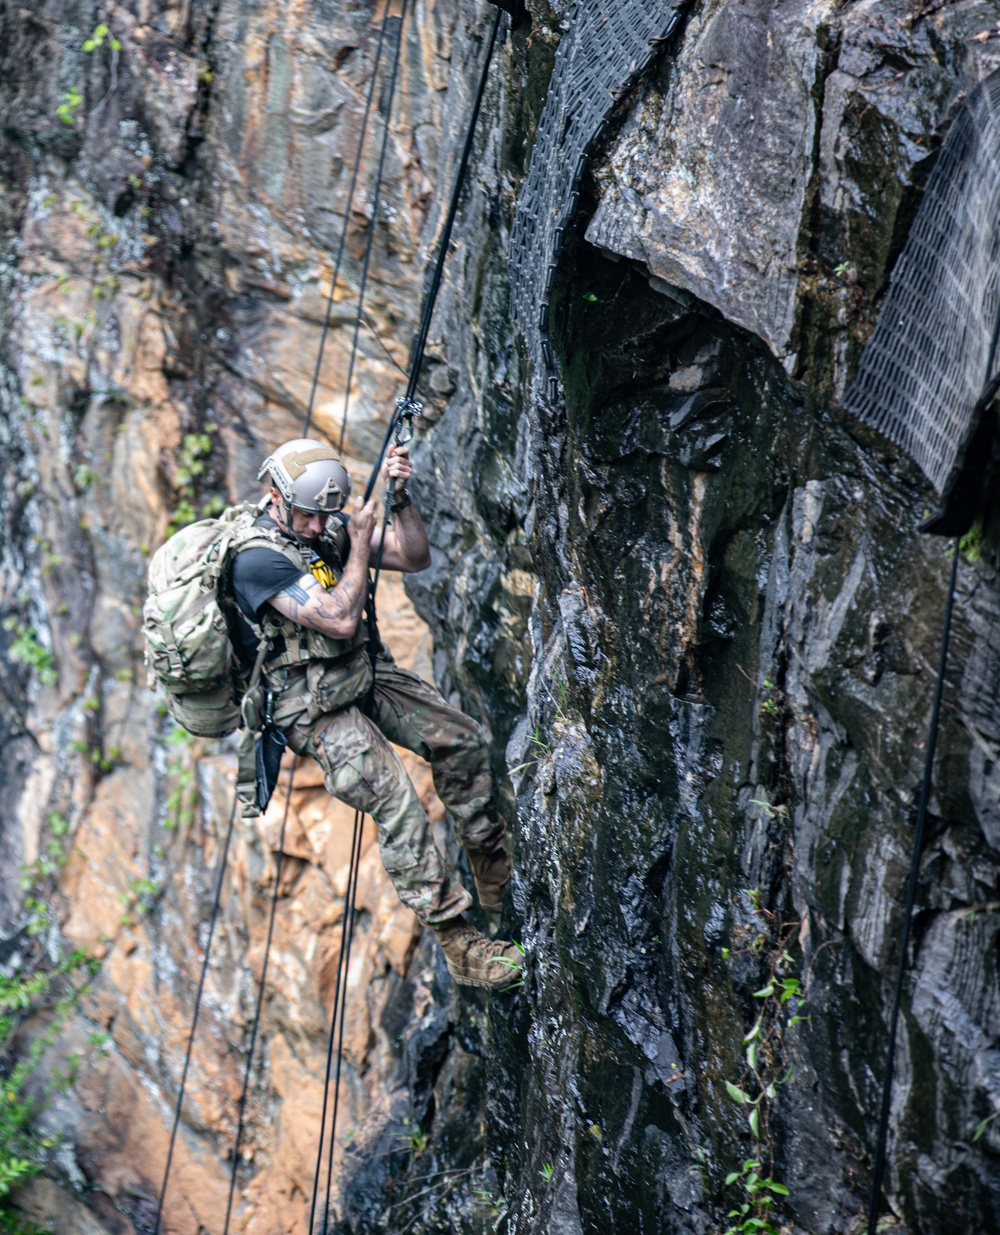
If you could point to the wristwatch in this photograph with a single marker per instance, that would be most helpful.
(401, 499)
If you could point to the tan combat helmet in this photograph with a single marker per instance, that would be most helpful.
(309, 476)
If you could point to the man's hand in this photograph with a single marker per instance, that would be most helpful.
(398, 465)
(362, 521)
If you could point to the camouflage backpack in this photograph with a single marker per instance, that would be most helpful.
(188, 647)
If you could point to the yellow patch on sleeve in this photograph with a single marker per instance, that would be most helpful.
(324, 574)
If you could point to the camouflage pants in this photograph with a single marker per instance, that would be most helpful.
(361, 768)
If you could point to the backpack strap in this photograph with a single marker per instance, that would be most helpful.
(255, 674)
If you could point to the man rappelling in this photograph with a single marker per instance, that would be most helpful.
(299, 580)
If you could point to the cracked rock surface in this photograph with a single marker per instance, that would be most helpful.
(687, 599)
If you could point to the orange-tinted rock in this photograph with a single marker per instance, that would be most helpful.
(119, 367)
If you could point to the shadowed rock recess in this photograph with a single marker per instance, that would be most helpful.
(684, 592)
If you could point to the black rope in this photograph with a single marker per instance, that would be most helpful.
(992, 380)
(463, 166)
(359, 819)
(911, 895)
(194, 1020)
(420, 343)
(347, 219)
(416, 361)
(355, 845)
(369, 243)
(352, 891)
(336, 1036)
(260, 999)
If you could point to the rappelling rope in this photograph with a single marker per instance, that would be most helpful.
(341, 966)
(911, 894)
(350, 907)
(343, 959)
(197, 1008)
(420, 342)
(416, 360)
(347, 218)
(260, 999)
(363, 285)
(918, 840)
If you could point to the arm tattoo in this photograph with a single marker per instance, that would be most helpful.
(308, 604)
(296, 592)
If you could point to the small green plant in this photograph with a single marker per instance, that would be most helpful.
(97, 39)
(84, 477)
(971, 544)
(769, 809)
(68, 326)
(415, 1138)
(516, 967)
(781, 1001)
(50, 861)
(23, 1150)
(983, 1125)
(546, 1171)
(494, 1206)
(770, 705)
(184, 513)
(26, 650)
(195, 448)
(541, 747)
(190, 467)
(138, 900)
(757, 1192)
(181, 779)
(70, 105)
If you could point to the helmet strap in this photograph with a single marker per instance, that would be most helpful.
(286, 515)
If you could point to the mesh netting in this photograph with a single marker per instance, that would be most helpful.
(924, 369)
(608, 43)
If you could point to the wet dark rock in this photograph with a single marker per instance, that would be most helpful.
(686, 597)
(734, 637)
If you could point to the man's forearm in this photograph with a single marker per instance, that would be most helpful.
(336, 612)
(412, 548)
(352, 590)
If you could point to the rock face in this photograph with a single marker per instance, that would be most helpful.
(686, 596)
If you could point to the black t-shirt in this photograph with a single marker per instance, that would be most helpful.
(259, 574)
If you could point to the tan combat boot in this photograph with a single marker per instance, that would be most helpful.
(474, 960)
(491, 872)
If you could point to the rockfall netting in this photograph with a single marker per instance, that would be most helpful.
(607, 45)
(935, 343)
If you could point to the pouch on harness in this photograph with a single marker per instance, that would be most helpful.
(188, 646)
